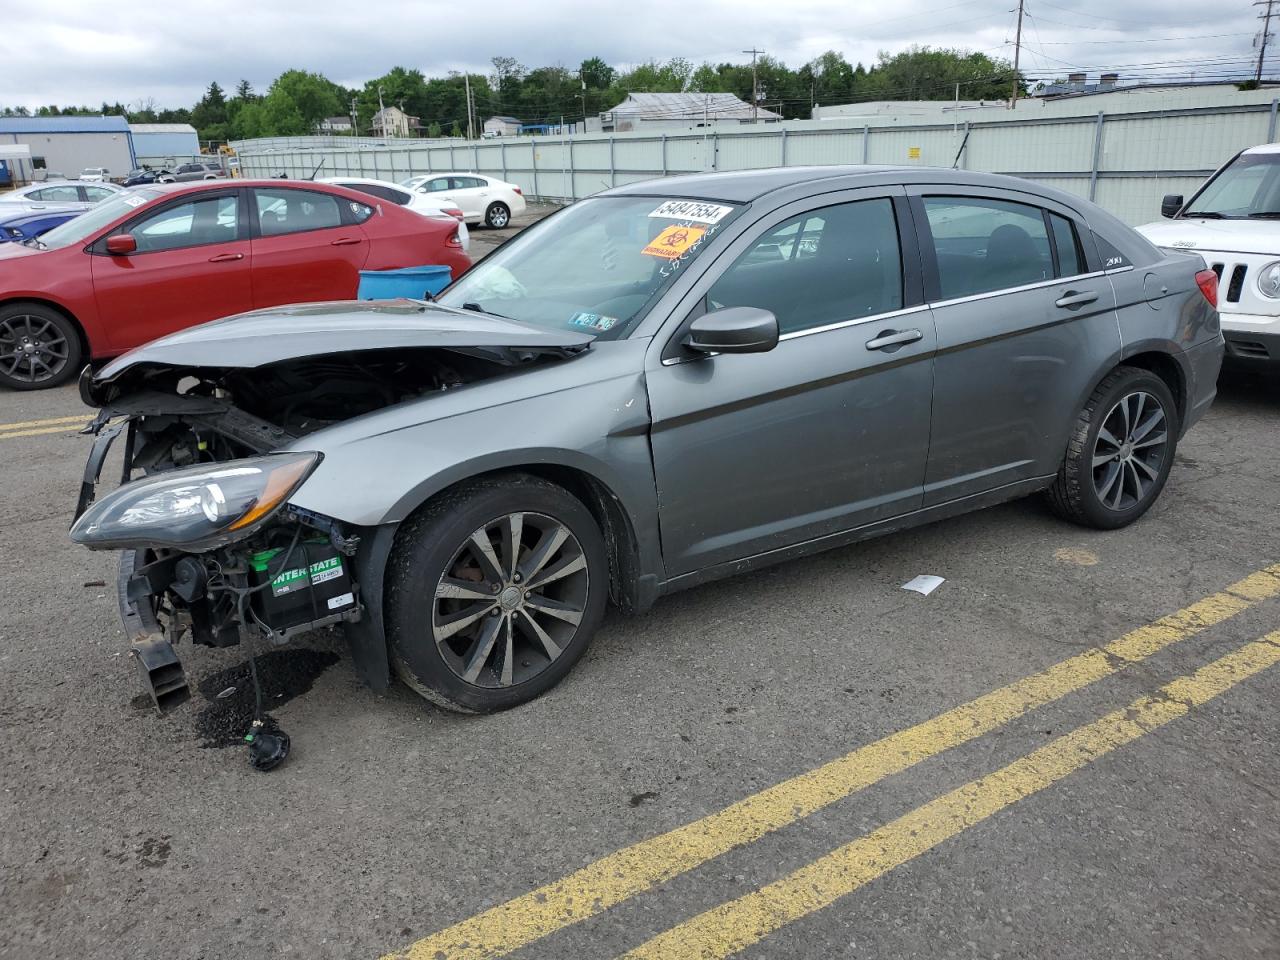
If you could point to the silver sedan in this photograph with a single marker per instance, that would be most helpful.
(670, 382)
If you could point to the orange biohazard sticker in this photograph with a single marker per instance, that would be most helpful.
(673, 241)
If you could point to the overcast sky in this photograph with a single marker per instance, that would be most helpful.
(78, 51)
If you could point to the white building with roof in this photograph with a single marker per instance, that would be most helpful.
(681, 111)
(155, 144)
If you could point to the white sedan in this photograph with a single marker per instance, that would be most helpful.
(427, 206)
(482, 199)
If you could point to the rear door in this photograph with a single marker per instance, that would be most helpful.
(471, 194)
(1026, 319)
(191, 265)
(307, 246)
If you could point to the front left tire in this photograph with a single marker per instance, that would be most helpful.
(494, 591)
(39, 347)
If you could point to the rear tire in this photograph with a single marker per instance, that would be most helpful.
(1120, 452)
(475, 625)
(497, 216)
(39, 347)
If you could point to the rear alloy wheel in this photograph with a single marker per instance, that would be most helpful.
(497, 216)
(494, 593)
(39, 347)
(1121, 451)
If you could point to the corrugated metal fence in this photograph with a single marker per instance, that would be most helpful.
(1123, 161)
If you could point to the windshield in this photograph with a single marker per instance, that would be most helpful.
(95, 218)
(1249, 187)
(595, 267)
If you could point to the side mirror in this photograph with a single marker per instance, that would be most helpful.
(121, 243)
(734, 330)
(1171, 204)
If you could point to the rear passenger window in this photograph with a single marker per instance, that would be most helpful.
(984, 245)
(1070, 261)
(293, 211)
(825, 266)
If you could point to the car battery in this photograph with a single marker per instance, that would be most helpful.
(311, 586)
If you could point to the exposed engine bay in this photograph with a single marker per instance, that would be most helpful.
(273, 576)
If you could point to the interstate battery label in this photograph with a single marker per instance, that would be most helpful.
(293, 580)
(673, 242)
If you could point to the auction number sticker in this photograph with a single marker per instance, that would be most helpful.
(135, 200)
(673, 242)
(692, 210)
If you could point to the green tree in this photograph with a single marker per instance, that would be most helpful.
(433, 130)
(923, 73)
(244, 92)
(311, 95)
(596, 74)
(456, 131)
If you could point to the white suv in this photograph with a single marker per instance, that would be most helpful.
(1233, 221)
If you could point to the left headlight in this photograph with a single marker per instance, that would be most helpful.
(1269, 281)
(197, 508)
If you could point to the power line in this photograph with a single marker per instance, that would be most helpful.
(1262, 52)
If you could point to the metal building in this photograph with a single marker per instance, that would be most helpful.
(162, 144)
(67, 145)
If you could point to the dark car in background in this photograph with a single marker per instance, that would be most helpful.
(168, 256)
(667, 383)
(141, 176)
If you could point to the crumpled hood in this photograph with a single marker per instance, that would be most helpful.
(1223, 236)
(263, 337)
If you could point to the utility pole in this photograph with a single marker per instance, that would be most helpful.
(382, 117)
(466, 80)
(354, 115)
(755, 84)
(1266, 26)
(1017, 54)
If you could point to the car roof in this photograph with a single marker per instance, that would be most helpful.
(744, 186)
(223, 184)
(369, 180)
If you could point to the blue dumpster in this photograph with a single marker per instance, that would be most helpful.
(415, 282)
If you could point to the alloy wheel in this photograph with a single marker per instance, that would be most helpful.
(1129, 451)
(32, 349)
(498, 218)
(511, 599)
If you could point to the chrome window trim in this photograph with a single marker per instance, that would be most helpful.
(1115, 270)
(1003, 291)
(856, 321)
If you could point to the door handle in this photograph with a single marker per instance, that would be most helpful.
(344, 241)
(225, 257)
(894, 338)
(1072, 299)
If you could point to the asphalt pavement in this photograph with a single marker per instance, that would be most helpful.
(1068, 750)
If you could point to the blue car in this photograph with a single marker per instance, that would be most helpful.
(26, 226)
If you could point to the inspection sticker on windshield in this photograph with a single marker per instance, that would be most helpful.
(673, 242)
(593, 321)
(692, 210)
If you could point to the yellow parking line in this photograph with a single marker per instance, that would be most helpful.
(641, 866)
(37, 433)
(78, 418)
(735, 925)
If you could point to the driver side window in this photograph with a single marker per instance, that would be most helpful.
(820, 267)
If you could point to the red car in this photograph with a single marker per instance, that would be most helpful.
(167, 256)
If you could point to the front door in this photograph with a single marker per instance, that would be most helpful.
(1025, 319)
(830, 429)
(306, 247)
(191, 265)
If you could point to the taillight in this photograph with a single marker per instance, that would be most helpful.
(1207, 281)
(454, 240)
(455, 213)
(517, 191)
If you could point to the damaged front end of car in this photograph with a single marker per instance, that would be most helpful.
(215, 423)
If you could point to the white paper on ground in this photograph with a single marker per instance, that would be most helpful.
(924, 584)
